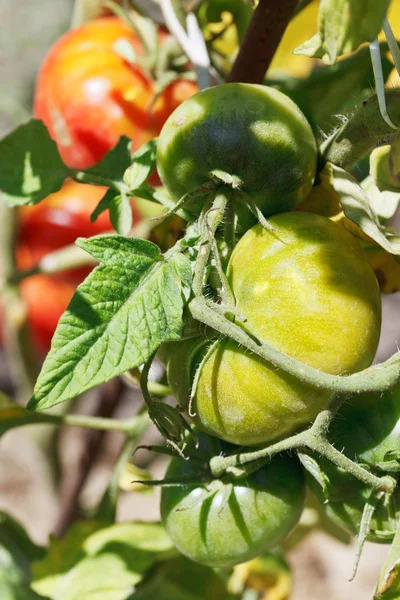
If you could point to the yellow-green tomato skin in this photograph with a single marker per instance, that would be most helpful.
(250, 131)
(310, 294)
(236, 522)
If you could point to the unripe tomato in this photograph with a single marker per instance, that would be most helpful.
(221, 523)
(250, 131)
(309, 292)
(88, 95)
(366, 429)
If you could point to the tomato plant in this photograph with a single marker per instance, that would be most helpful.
(231, 522)
(252, 133)
(88, 94)
(267, 331)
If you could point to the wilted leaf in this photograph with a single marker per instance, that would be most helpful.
(124, 310)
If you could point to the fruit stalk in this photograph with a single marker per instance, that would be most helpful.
(362, 132)
(375, 378)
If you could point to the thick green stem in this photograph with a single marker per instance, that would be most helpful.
(323, 447)
(314, 439)
(375, 378)
(362, 132)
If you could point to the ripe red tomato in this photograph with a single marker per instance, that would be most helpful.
(58, 221)
(88, 95)
(55, 223)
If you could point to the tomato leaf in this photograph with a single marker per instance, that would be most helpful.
(125, 309)
(121, 214)
(312, 466)
(30, 165)
(104, 204)
(94, 561)
(182, 579)
(342, 26)
(357, 208)
(143, 165)
(114, 163)
(388, 587)
(16, 553)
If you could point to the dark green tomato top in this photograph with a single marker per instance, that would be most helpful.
(221, 524)
(250, 131)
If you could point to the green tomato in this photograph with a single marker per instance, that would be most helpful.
(249, 131)
(312, 295)
(220, 524)
(366, 429)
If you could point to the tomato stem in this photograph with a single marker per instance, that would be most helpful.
(362, 132)
(213, 220)
(376, 378)
(86, 177)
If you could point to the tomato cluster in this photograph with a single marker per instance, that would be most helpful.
(302, 284)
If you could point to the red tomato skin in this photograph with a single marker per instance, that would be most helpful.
(88, 95)
(50, 225)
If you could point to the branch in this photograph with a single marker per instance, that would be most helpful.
(262, 38)
(20, 355)
(72, 484)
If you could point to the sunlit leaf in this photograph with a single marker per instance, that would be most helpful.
(94, 562)
(125, 309)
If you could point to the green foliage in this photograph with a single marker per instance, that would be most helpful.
(330, 92)
(143, 164)
(100, 562)
(342, 26)
(16, 553)
(118, 317)
(30, 165)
